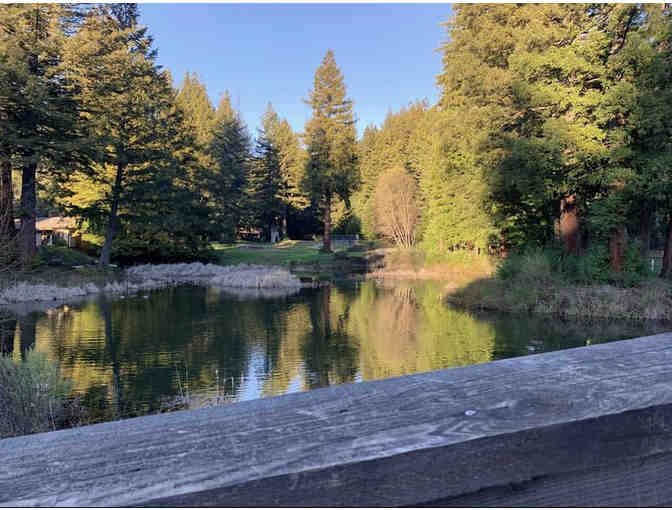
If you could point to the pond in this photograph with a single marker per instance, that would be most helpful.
(204, 345)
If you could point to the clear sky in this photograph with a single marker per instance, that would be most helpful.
(269, 52)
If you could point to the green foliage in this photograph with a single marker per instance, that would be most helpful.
(331, 169)
(291, 159)
(266, 184)
(62, 256)
(225, 191)
(199, 113)
(42, 129)
(554, 101)
(32, 395)
(157, 249)
(347, 222)
(536, 265)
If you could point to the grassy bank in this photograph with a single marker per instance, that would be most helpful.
(648, 300)
(546, 282)
(63, 267)
(459, 268)
(536, 286)
(301, 257)
(282, 254)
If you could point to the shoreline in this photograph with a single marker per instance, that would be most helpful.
(651, 300)
(148, 277)
(465, 287)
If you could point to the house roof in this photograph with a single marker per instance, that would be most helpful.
(53, 223)
(56, 223)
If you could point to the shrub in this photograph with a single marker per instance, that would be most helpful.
(130, 250)
(592, 267)
(32, 395)
(59, 255)
(532, 265)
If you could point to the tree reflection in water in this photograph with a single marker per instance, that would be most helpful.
(128, 357)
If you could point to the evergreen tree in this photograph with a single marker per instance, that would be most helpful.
(230, 150)
(39, 119)
(332, 168)
(292, 165)
(548, 95)
(198, 110)
(129, 102)
(265, 184)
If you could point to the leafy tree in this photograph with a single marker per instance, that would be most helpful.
(331, 169)
(383, 149)
(396, 207)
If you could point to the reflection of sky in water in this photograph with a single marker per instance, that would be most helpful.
(254, 381)
(247, 346)
(295, 385)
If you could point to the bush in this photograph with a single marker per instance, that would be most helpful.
(544, 265)
(128, 251)
(533, 265)
(32, 395)
(58, 255)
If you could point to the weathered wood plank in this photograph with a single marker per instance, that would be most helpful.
(404, 441)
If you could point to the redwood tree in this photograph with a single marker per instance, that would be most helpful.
(331, 170)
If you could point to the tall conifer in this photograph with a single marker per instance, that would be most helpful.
(331, 169)
(231, 151)
(39, 119)
(130, 105)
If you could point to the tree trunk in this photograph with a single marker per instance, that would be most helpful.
(667, 254)
(7, 331)
(569, 225)
(326, 244)
(645, 230)
(617, 249)
(112, 221)
(28, 234)
(7, 228)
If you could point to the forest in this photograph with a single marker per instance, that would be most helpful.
(552, 132)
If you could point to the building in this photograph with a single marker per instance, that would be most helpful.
(51, 230)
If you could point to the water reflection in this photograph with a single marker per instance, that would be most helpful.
(133, 356)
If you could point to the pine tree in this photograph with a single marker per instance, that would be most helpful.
(332, 168)
(198, 110)
(130, 105)
(39, 119)
(292, 165)
(231, 152)
(264, 182)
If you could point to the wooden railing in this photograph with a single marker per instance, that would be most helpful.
(583, 427)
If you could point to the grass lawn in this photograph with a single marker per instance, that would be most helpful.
(282, 253)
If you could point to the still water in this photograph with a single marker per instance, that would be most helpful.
(149, 353)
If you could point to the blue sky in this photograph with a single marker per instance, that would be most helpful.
(269, 52)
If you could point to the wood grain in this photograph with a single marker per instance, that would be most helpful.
(433, 437)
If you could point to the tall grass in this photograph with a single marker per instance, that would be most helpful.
(32, 395)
